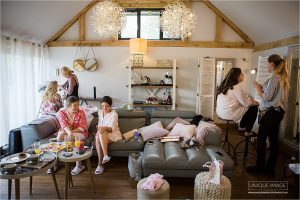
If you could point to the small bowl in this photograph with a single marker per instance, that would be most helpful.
(33, 159)
(10, 168)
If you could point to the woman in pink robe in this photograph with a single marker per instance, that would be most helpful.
(73, 124)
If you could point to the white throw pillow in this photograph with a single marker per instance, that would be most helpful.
(153, 131)
(175, 121)
(186, 131)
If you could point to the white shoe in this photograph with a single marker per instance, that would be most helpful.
(77, 170)
(99, 170)
(106, 158)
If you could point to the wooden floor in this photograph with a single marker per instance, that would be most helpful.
(115, 183)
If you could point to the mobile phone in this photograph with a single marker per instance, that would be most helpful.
(219, 153)
(150, 142)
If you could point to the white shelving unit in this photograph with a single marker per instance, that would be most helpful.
(152, 88)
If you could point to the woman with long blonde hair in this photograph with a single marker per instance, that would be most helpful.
(51, 100)
(71, 86)
(272, 94)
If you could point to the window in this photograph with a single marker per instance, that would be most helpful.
(143, 23)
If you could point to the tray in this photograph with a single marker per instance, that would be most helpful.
(14, 158)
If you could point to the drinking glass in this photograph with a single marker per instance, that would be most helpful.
(37, 147)
(77, 142)
(68, 143)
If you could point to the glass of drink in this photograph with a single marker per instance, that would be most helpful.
(77, 142)
(68, 143)
(38, 149)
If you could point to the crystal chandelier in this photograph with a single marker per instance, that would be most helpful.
(178, 21)
(108, 18)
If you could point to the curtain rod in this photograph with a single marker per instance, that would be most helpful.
(33, 43)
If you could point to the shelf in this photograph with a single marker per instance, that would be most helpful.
(152, 105)
(152, 86)
(152, 68)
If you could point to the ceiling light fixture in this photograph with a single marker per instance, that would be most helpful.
(178, 21)
(108, 18)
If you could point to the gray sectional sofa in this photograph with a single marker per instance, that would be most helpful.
(168, 158)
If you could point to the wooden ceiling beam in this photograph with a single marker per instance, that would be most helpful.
(153, 43)
(278, 43)
(243, 35)
(82, 27)
(72, 21)
(219, 23)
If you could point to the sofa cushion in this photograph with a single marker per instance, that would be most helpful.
(204, 129)
(167, 117)
(176, 120)
(127, 145)
(186, 131)
(153, 131)
(170, 156)
(129, 120)
(37, 130)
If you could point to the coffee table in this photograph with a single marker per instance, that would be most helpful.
(75, 157)
(30, 173)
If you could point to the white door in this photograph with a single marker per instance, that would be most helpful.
(206, 87)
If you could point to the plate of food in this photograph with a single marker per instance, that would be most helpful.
(53, 147)
(15, 158)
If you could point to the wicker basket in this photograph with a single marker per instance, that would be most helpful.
(206, 190)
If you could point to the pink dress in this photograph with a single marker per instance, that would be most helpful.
(51, 107)
(78, 121)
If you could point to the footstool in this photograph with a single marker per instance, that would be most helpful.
(206, 190)
(161, 193)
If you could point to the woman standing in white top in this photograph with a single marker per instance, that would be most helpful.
(107, 131)
(234, 104)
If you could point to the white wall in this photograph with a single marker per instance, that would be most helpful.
(111, 77)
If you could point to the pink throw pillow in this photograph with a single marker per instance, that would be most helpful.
(203, 129)
(186, 131)
(153, 131)
(176, 120)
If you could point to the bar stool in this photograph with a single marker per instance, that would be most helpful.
(226, 140)
(246, 150)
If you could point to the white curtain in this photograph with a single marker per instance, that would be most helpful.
(24, 66)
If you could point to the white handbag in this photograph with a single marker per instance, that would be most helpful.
(215, 171)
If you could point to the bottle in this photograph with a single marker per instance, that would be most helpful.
(136, 135)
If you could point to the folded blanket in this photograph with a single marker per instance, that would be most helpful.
(153, 182)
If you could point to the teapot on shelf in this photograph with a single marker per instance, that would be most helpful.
(146, 80)
(168, 79)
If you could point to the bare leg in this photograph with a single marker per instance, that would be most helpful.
(104, 141)
(78, 164)
(99, 149)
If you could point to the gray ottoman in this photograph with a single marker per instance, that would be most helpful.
(161, 193)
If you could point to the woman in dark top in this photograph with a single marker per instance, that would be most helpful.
(71, 86)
